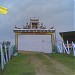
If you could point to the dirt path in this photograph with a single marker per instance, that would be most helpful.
(40, 68)
(45, 65)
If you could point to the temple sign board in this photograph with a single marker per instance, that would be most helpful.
(34, 27)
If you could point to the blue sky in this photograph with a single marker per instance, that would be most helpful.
(57, 13)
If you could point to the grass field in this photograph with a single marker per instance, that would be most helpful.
(40, 64)
(67, 60)
(20, 65)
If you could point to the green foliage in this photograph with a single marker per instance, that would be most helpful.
(55, 49)
(14, 49)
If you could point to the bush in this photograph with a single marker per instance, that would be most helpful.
(55, 49)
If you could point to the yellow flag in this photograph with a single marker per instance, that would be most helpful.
(3, 10)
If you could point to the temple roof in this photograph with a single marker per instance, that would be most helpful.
(34, 26)
(34, 23)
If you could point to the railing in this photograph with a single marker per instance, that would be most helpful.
(66, 48)
(6, 53)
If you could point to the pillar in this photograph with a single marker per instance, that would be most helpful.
(16, 42)
(52, 40)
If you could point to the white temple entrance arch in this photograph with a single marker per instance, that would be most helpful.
(34, 28)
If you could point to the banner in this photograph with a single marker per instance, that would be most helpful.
(3, 10)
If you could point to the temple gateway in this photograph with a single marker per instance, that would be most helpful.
(34, 27)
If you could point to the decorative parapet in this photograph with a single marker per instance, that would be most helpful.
(34, 26)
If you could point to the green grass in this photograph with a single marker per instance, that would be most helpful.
(41, 57)
(63, 59)
(19, 65)
(67, 60)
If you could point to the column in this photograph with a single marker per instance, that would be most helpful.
(52, 40)
(16, 42)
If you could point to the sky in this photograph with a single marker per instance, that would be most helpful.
(57, 13)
